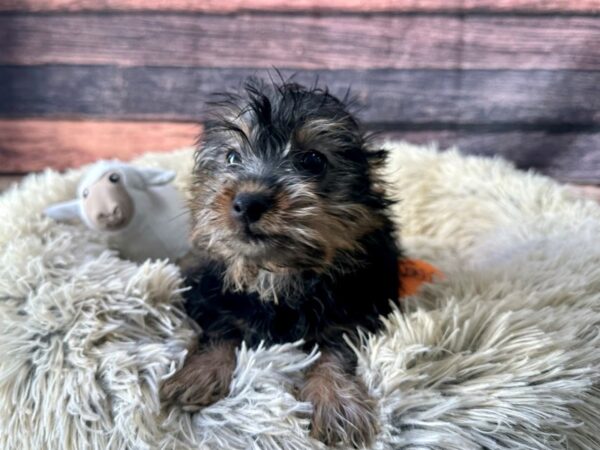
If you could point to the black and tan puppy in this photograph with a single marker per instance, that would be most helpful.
(292, 222)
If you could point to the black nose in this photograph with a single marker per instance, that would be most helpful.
(250, 206)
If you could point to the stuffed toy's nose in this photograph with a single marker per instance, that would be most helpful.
(110, 216)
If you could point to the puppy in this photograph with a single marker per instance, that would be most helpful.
(292, 223)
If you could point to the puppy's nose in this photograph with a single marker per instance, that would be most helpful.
(250, 206)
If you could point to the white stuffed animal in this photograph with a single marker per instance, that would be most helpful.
(144, 215)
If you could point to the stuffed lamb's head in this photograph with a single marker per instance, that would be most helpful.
(109, 195)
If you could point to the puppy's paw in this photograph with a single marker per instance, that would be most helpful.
(203, 380)
(343, 411)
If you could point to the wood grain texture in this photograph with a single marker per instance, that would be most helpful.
(387, 96)
(569, 157)
(33, 144)
(381, 41)
(220, 6)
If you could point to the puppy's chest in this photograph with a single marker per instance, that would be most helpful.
(311, 318)
(319, 313)
(276, 324)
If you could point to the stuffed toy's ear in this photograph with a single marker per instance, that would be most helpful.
(157, 177)
(64, 211)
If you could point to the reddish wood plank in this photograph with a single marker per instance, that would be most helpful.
(229, 6)
(31, 144)
(535, 98)
(380, 41)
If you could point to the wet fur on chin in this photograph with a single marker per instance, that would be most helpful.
(318, 264)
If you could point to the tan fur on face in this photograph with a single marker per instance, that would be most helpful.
(313, 226)
(304, 230)
(204, 378)
(319, 132)
(343, 411)
(323, 228)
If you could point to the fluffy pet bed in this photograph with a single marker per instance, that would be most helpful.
(503, 354)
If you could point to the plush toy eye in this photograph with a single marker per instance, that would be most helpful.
(114, 177)
(233, 157)
(312, 162)
(85, 193)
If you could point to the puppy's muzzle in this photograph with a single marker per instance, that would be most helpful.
(249, 207)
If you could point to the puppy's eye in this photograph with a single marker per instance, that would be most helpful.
(86, 193)
(114, 177)
(233, 157)
(312, 162)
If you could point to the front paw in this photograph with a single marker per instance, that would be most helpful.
(344, 414)
(203, 380)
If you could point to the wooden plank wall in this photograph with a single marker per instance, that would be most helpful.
(83, 79)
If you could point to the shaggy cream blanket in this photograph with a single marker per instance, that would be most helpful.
(503, 354)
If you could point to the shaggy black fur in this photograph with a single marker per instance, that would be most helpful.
(320, 314)
(321, 258)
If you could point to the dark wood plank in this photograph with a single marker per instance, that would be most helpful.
(569, 157)
(229, 6)
(33, 144)
(388, 96)
(380, 41)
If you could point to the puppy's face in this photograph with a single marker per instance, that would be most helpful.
(283, 181)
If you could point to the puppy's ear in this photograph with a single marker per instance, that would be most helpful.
(157, 177)
(64, 211)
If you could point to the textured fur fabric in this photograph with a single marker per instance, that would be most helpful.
(503, 354)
